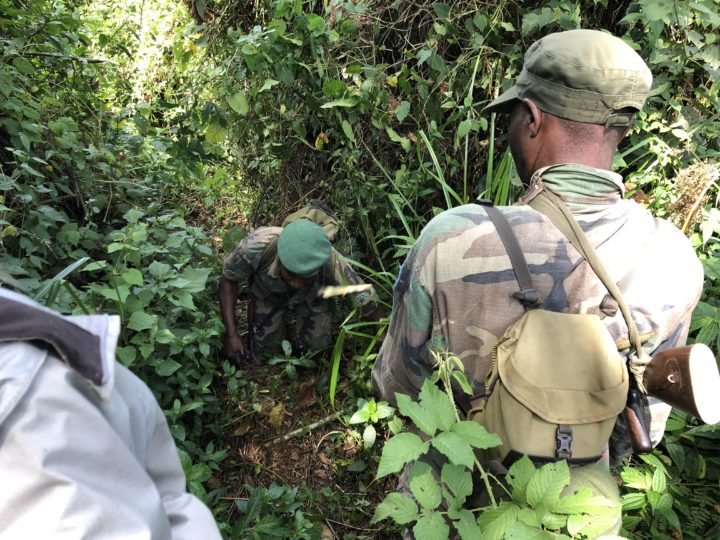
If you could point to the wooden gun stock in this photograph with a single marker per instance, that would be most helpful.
(635, 421)
(686, 378)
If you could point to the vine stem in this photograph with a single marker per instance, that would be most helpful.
(445, 371)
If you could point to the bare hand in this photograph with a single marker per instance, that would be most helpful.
(234, 347)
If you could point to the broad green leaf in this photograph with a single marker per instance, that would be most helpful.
(495, 521)
(238, 102)
(182, 299)
(268, 84)
(359, 417)
(423, 417)
(404, 141)
(464, 128)
(553, 521)
(334, 88)
(442, 10)
(518, 478)
(633, 501)
(399, 450)
(402, 111)
(455, 449)
(369, 436)
(529, 517)
(458, 479)
(467, 526)
(167, 368)
(573, 504)
(434, 399)
(215, 133)
(158, 269)
(636, 478)
(423, 55)
(475, 434)
(140, 320)
(424, 487)
(384, 410)
(133, 277)
(192, 280)
(23, 66)
(547, 483)
(591, 526)
(401, 508)
(126, 355)
(431, 527)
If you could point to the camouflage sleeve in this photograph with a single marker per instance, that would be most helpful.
(403, 364)
(244, 260)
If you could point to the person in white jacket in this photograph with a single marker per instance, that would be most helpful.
(85, 451)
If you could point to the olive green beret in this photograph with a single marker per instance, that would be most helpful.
(582, 75)
(303, 247)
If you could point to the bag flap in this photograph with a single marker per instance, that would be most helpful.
(564, 367)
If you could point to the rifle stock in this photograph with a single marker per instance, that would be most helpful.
(686, 378)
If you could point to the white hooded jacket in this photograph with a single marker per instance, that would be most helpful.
(85, 450)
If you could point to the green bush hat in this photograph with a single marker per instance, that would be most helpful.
(303, 247)
(583, 75)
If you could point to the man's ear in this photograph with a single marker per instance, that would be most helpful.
(535, 117)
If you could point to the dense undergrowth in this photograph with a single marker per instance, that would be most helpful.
(138, 140)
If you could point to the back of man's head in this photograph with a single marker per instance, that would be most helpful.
(585, 76)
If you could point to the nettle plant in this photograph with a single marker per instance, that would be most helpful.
(371, 413)
(443, 499)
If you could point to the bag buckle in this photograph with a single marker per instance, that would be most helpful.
(564, 438)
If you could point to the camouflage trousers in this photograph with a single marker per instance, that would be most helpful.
(307, 325)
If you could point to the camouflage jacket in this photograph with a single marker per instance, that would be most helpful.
(453, 290)
(246, 264)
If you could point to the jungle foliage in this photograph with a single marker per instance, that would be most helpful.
(139, 139)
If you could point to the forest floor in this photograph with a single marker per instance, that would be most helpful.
(291, 436)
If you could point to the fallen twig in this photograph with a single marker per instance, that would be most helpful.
(303, 430)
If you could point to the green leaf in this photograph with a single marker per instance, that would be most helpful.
(347, 102)
(167, 368)
(423, 55)
(215, 133)
(547, 483)
(424, 486)
(633, 501)
(399, 450)
(402, 111)
(434, 399)
(133, 277)
(268, 84)
(573, 504)
(458, 479)
(140, 320)
(442, 10)
(192, 280)
(431, 527)
(475, 434)
(404, 141)
(518, 477)
(658, 481)
(591, 526)
(464, 128)
(466, 526)
(347, 130)
(495, 521)
(454, 448)
(384, 410)
(23, 66)
(369, 436)
(423, 417)
(401, 508)
(238, 102)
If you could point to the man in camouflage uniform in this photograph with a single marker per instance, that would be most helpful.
(285, 269)
(571, 105)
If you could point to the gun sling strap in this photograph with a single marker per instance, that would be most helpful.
(553, 207)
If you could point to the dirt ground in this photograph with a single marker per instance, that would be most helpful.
(297, 439)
